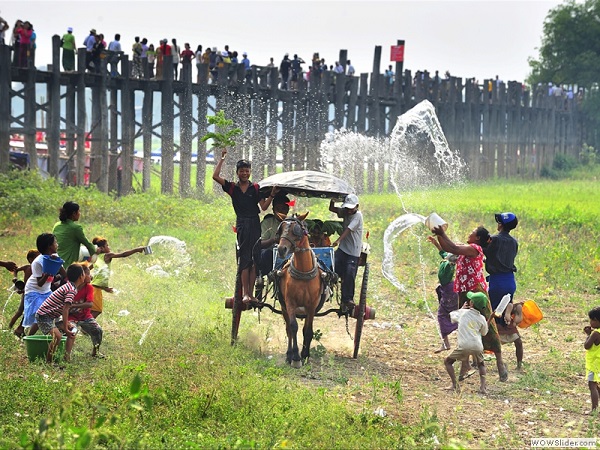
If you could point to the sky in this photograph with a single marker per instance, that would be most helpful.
(477, 38)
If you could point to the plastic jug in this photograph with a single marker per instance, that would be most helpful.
(531, 314)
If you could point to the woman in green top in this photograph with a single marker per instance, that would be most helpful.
(69, 234)
(68, 45)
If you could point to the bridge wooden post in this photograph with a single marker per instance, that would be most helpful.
(147, 124)
(167, 123)
(127, 128)
(81, 112)
(185, 130)
(5, 109)
(29, 103)
(202, 126)
(53, 135)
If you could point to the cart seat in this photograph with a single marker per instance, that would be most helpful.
(324, 256)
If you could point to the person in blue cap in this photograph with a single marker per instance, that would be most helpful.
(500, 257)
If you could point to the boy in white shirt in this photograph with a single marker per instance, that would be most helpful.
(471, 327)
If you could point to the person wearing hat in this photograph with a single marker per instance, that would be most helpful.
(471, 327)
(246, 199)
(67, 42)
(246, 63)
(349, 246)
(447, 298)
(268, 228)
(500, 257)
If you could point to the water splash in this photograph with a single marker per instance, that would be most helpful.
(169, 257)
(420, 154)
(398, 226)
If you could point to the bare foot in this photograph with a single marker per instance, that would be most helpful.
(247, 299)
(453, 388)
(443, 348)
(482, 391)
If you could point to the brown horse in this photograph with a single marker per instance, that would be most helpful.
(299, 285)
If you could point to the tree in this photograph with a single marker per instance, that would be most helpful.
(570, 51)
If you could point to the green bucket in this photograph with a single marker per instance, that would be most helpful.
(37, 347)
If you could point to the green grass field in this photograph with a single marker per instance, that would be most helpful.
(172, 380)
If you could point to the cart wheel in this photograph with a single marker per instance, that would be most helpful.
(237, 308)
(360, 314)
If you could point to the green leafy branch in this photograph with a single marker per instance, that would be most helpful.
(224, 138)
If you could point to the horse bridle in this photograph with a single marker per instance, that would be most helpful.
(298, 230)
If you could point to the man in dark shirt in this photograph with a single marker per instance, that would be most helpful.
(245, 197)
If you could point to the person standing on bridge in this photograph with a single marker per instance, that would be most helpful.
(67, 43)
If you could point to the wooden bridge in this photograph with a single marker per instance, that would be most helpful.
(501, 131)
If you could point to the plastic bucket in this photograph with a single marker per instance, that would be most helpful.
(434, 221)
(51, 265)
(531, 314)
(37, 347)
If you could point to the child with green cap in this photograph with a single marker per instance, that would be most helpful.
(471, 327)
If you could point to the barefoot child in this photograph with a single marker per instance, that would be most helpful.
(81, 314)
(26, 269)
(53, 315)
(447, 298)
(38, 286)
(592, 355)
(471, 327)
(101, 273)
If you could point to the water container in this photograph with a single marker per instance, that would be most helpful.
(434, 221)
(531, 314)
(37, 347)
(51, 264)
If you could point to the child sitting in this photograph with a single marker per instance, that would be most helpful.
(53, 315)
(471, 327)
(102, 271)
(81, 314)
(26, 269)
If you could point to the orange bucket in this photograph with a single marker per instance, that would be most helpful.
(531, 314)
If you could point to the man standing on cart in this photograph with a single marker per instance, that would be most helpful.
(245, 197)
(349, 247)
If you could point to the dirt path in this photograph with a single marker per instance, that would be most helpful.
(399, 375)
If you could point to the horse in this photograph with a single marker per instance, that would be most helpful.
(299, 285)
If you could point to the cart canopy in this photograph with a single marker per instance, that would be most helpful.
(308, 183)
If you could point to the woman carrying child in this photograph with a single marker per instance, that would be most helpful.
(101, 272)
(469, 278)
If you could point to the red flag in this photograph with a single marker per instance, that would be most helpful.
(291, 203)
(367, 235)
(234, 228)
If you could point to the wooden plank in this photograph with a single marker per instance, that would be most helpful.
(30, 102)
(147, 123)
(127, 128)
(81, 108)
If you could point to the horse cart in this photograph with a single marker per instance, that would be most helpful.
(296, 263)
